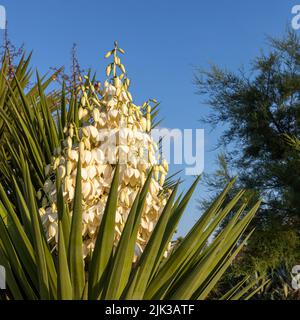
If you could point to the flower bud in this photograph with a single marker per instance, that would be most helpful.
(61, 171)
(47, 169)
(69, 142)
(108, 54)
(108, 70)
(39, 195)
(148, 125)
(117, 82)
(162, 179)
(81, 149)
(122, 68)
(165, 165)
(143, 124)
(94, 132)
(156, 173)
(85, 132)
(83, 101)
(69, 167)
(96, 115)
(80, 113)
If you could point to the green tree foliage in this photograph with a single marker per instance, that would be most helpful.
(259, 109)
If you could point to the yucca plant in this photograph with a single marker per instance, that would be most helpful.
(72, 227)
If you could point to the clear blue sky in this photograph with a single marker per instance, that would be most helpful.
(164, 40)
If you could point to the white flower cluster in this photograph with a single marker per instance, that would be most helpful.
(113, 130)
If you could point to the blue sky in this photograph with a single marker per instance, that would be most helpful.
(164, 41)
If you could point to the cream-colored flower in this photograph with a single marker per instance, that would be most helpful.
(113, 130)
